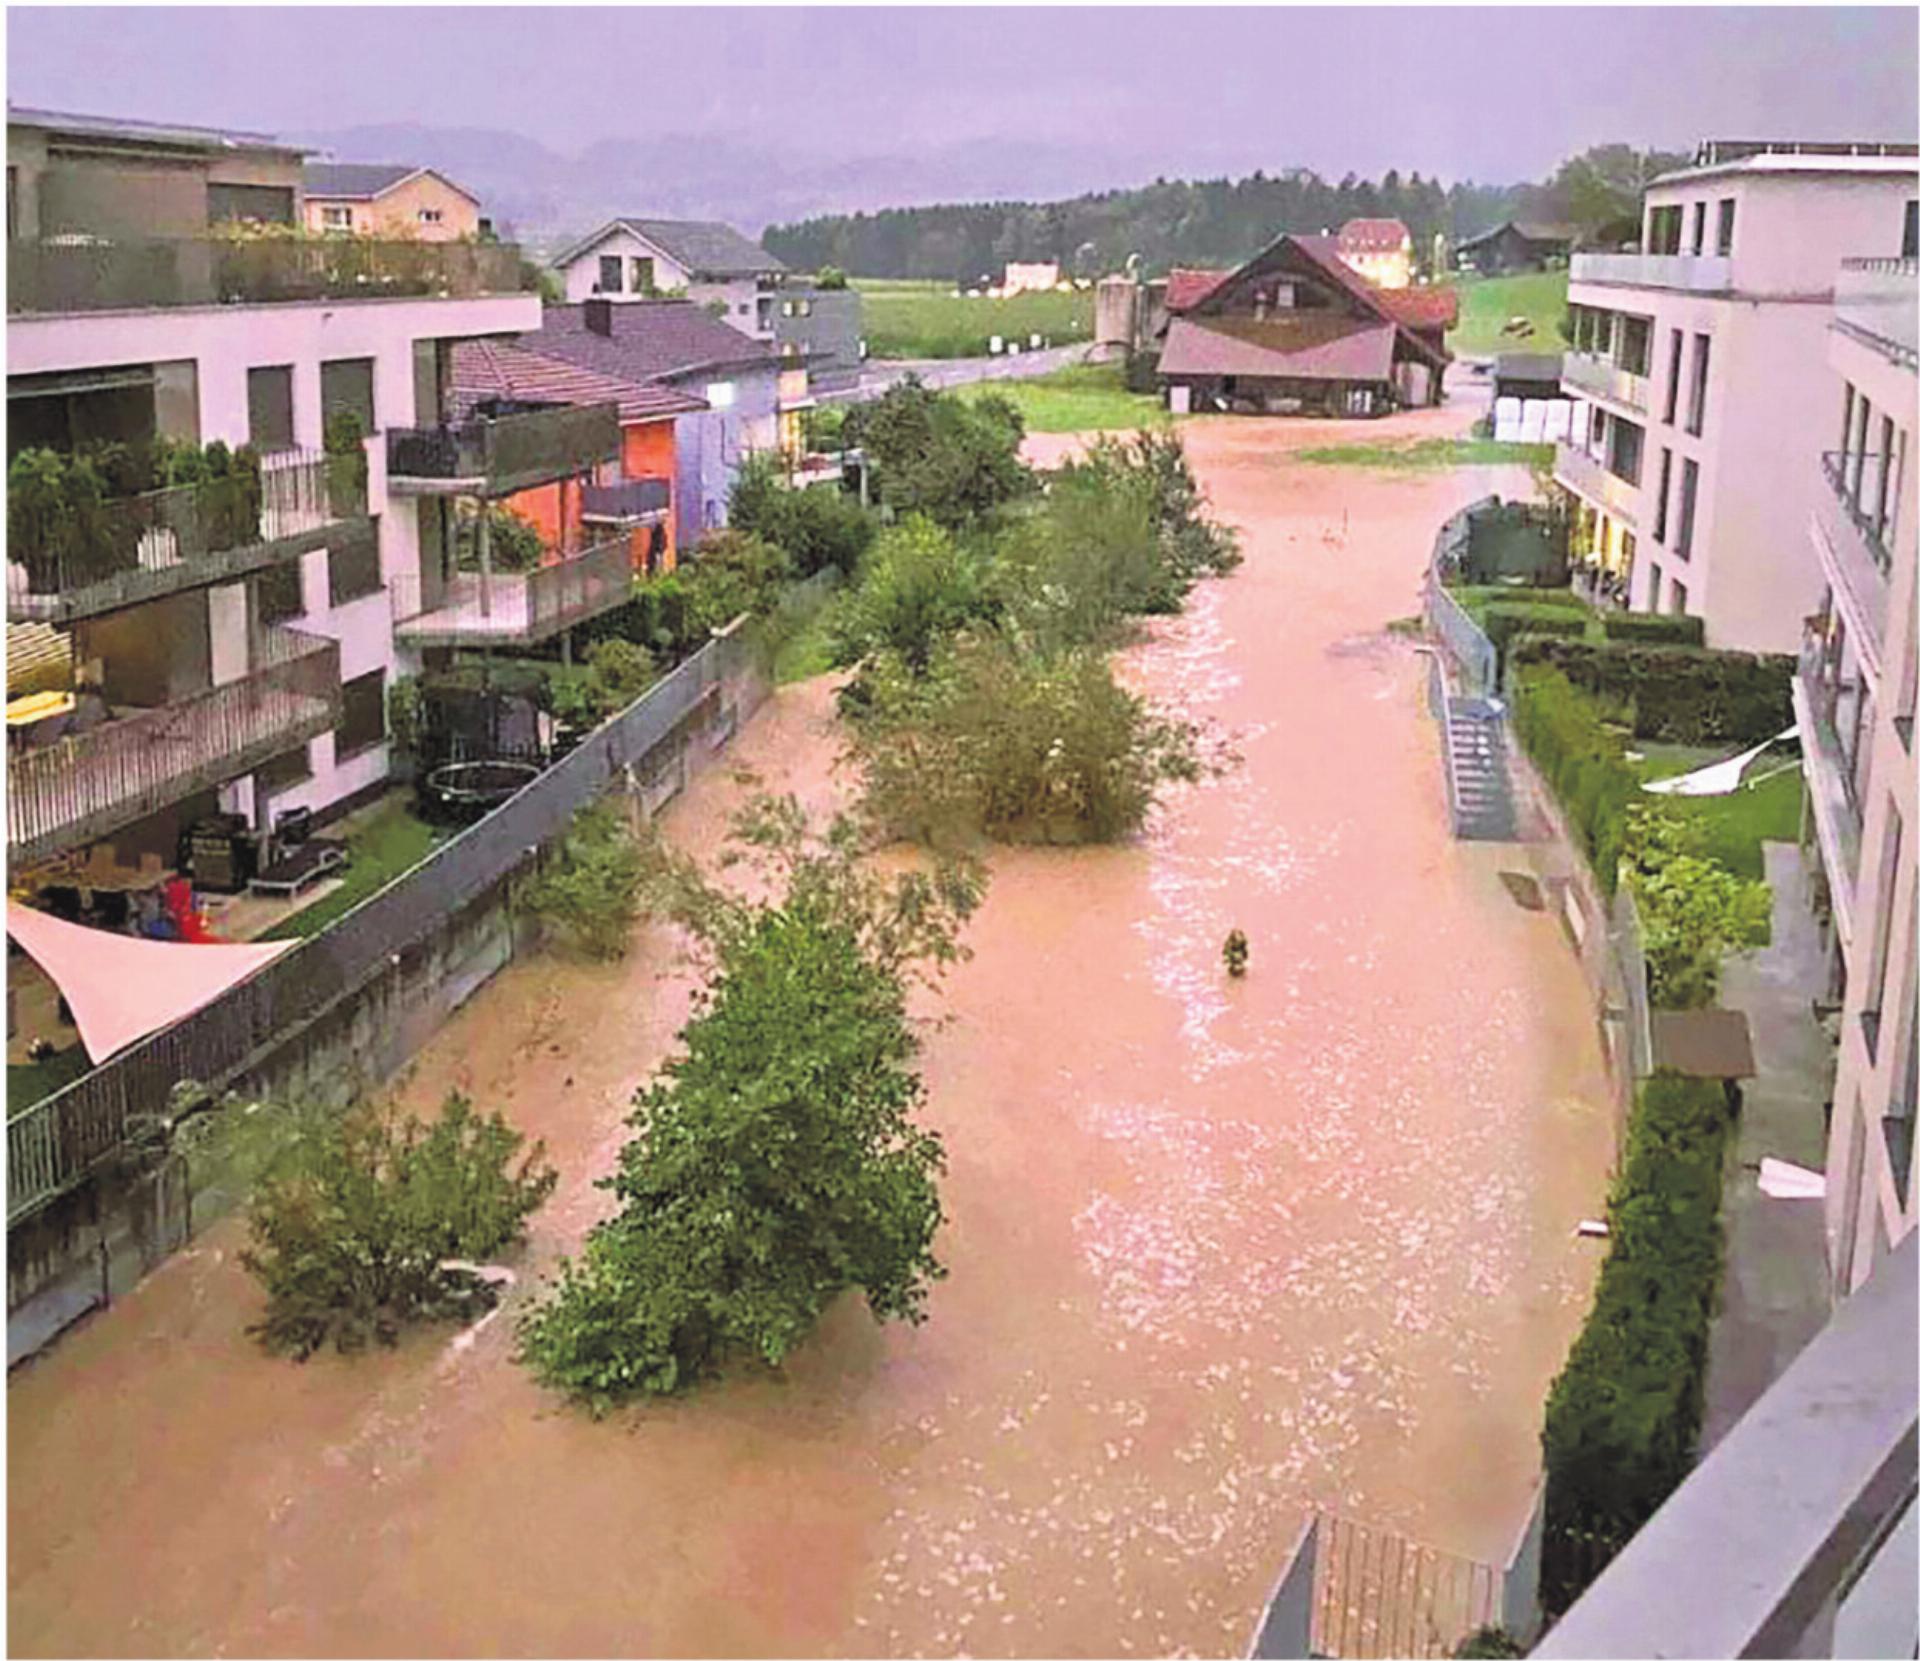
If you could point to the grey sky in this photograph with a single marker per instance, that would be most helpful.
(1496, 94)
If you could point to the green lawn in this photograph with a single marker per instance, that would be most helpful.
(1736, 824)
(1487, 303)
(32, 1081)
(1082, 398)
(925, 320)
(1421, 454)
(1474, 600)
(388, 843)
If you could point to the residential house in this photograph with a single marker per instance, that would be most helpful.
(1854, 702)
(632, 495)
(1296, 330)
(820, 328)
(1033, 276)
(1515, 245)
(232, 645)
(1689, 375)
(1381, 250)
(388, 199)
(702, 260)
(676, 344)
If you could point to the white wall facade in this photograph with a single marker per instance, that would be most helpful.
(740, 295)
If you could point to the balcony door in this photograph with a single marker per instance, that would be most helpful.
(270, 408)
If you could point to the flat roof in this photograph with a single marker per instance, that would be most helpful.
(148, 132)
(1717, 161)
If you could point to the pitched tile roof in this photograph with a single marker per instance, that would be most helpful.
(1189, 285)
(489, 369)
(360, 180)
(1373, 236)
(1531, 230)
(704, 247)
(1320, 345)
(652, 340)
(1422, 308)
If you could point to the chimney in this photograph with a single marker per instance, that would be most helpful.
(597, 315)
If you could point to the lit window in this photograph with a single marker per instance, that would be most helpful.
(720, 394)
(429, 216)
(337, 219)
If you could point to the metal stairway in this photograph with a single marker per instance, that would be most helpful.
(1479, 788)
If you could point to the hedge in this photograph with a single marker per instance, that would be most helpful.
(1677, 694)
(1653, 629)
(1582, 761)
(1623, 1416)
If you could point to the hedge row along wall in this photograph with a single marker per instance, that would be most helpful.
(1675, 694)
(1624, 1414)
(1584, 764)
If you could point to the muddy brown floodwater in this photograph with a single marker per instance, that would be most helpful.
(1220, 1251)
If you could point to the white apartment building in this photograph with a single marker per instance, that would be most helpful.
(228, 654)
(710, 263)
(1690, 373)
(1854, 700)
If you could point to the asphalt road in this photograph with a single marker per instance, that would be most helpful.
(882, 373)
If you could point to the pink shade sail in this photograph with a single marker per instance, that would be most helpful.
(121, 989)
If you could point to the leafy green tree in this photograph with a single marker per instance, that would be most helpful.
(917, 586)
(776, 1162)
(1693, 910)
(817, 526)
(830, 279)
(731, 572)
(589, 889)
(931, 453)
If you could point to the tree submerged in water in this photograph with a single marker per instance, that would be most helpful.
(776, 1162)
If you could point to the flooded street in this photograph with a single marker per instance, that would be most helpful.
(1220, 1251)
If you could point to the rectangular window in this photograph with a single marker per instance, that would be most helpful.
(609, 282)
(1846, 426)
(1678, 603)
(1910, 232)
(1883, 920)
(264, 204)
(336, 219)
(1689, 492)
(270, 408)
(363, 714)
(720, 394)
(1653, 588)
(1675, 340)
(1883, 474)
(1663, 230)
(1660, 501)
(430, 216)
(1699, 245)
(640, 273)
(353, 569)
(1697, 387)
(13, 203)
(346, 387)
(1723, 232)
(1623, 459)
(1635, 343)
(277, 595)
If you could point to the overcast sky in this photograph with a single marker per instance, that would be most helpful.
(1493, 94)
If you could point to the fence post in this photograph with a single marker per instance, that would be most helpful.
(1286, 1629)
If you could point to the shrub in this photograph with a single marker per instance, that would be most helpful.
(1488, 1643)
(344, 439)
(1623, 1415)
(818, 526)
(1654, 629)
(514, 544)
(588, 890)
(830, 279)
(916, 587)
(732, 572)
(1678, 694)
(357, 1214)
(954, 460)
(775, 1163)
(1503, 620)
(1693, 910)
(993, 742)
(1583, 763)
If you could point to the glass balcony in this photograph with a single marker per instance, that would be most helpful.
(514, 608)
(497, 456)
(1876, 301)
(75, 787)
(1598, 378)
(84, 274)
(88, 558)
(1588, 477)
(630, 502)
(1851, 534)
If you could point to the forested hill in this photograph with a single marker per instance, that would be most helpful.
(1169, 222)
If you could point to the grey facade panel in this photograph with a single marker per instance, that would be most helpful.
(828, 328)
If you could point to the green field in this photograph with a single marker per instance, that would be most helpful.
(924, 319)
(1082, 398)
(1487, 303)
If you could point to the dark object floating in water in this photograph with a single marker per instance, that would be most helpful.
(1234, 953)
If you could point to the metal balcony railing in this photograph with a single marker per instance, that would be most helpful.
(499, 455)
(1854, 533)
(514, 608)
(631, 499)
(81, 274)
(1825, 706)
(83, 559)
(1795, 1535)
(81, 787)
(1589, 477)
(1877, 300)
(1598, 378)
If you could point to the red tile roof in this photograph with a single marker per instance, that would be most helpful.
(1422, 308)
(1373, 236)
(1189, 285)
(488, 369)
(1306, 346)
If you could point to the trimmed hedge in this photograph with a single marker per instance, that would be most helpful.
(1583, 763)
(1502, 622)
(1623, 1416)
(1654, 629)
(1677, 694)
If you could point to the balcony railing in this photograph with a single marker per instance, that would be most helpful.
(515, 609)
(1824, 707)
(1589, 477)
(629, 501)
(78, 275)
(1694, 273)
(1795, 1534)
(1600, 379)
(79, 788)
(497, 456)
(1856, 536)
(1876, 299)
(96, 558)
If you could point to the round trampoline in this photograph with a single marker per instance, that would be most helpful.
(465, 791)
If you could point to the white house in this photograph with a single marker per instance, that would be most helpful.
(711, 263)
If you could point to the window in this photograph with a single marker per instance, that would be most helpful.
(277, 595)
(1883, 471)
(1884, 914)
(640, 274)
(1675, 340)
(430, 216)
(353, 570)
(1653, 588)
(742, 309)
(1677, 602)
(346, 386)
(1634, 344)
(1689, 493)
(1723, 232)
(13, 203)
(363, 714)
(609, 282)
(720, 394)
(1910, 232)
(1699, 241)
(336, 219)
(1846, 426)
(263, 204)
(1663, 230)
(1697, 388)
(1660, 501)
(270, 408)
(1623, 453)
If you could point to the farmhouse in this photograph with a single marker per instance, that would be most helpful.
(1516, 246)
(387, 198)
(1296, 331)
(1381, 250)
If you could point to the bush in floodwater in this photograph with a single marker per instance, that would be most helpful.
(917, 585)
(587, 892)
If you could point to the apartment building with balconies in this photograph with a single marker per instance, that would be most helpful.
(231, 627)
(1854, 700)
(1691, 373)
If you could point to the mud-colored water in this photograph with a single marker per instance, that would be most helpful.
(1220, 1251)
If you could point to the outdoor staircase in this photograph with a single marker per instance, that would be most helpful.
(1479, 788)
